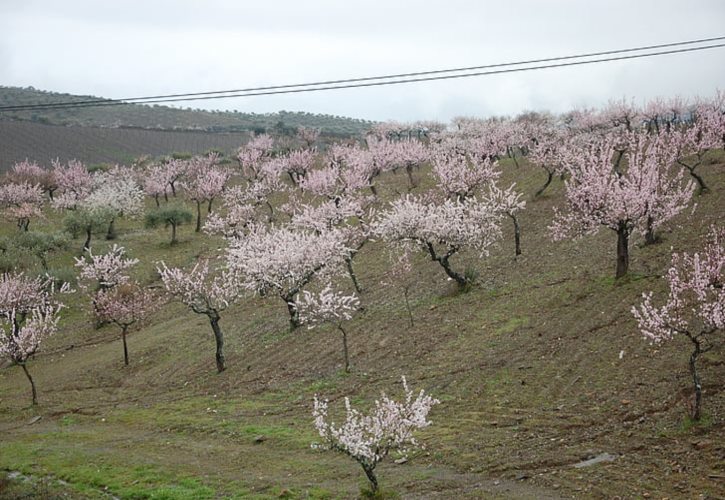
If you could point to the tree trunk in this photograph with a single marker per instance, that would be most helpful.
(351, 272)
(696, 379)
(125, 346)
(208, 206)
(294, 317)
(166, 197)
(111, 233)
(701, 186)
(156, 199)
(198, 216)
(344, 348)
(32, 384)
(443, 261)
(219, 338)
(622, 251)
(517, 233)
(87, 243)
(650, 238)
(370, 473)
(373, 190)
(550, 176)
(411, 180)
(173, 233)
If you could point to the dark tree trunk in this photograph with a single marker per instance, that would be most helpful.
(32, 383)
(443, 261)
(166, 197)
(622, 250)
(373, 190)
(650, 238)
(370, 473)
(517, 233)
(208, 206)
(351, 272)
(344, 348)
(198, 216)
(549, 178)
(87, 243)
(411, 180)
(294, 317)
(173, 189)
(125, 346)
(156, 199)
(701, 186)
(219, 338)
(111, 233)
(173, 233)
(696, 379)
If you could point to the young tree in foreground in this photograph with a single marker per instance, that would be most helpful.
(169, 216)
(125, 305)
(695, 307)
(328, 306)
(204, 295)
(104, 271)
(442, 229)
(368, 439)
(28, 315)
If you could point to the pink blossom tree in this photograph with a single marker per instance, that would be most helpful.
(204, 183)
(74, 184)
(441, 229)
(283, 261)
(117, 194)
(33, 174)
(458, 174)
(368, 439)
(252, 155)
(308, 135)
(21, 203)
(693, 142)
(328, 306)
(125, 305)
(29, 314)
(695, 306)
(600, 193)
(104, 271)
(204, 293)
(509, 202)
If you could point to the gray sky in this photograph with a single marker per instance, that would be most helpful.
(134, 48)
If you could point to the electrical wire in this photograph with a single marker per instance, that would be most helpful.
(368, 81)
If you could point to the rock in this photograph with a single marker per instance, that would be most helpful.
(521, 476)
(260, 439)
(703, 444)
(402, 460)
(602, 457)
(34, 419)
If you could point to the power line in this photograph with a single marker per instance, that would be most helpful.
(358, 82)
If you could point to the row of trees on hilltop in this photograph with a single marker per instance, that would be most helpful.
(294, 219)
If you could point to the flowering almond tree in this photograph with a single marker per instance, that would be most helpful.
(509, 202)
(204, 183)
(695, 307)
(458, 174)
(74, 183)
(204, 294)
(600, 193)
(125, 305)
(21, 203)
(368, 439)
(441, 229)
(104, 271)
(117, 194)
(328, 306)
(283, 261)
(33, 174)
(28, 315)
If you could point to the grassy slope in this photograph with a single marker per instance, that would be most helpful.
(527, 367)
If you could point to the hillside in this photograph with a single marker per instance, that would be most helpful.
(92, 145)
(160, 117)
(538, 367)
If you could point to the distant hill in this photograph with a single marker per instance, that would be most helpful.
(159, 117)
(93, 145)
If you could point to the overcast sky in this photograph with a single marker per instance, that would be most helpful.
(134, 48)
